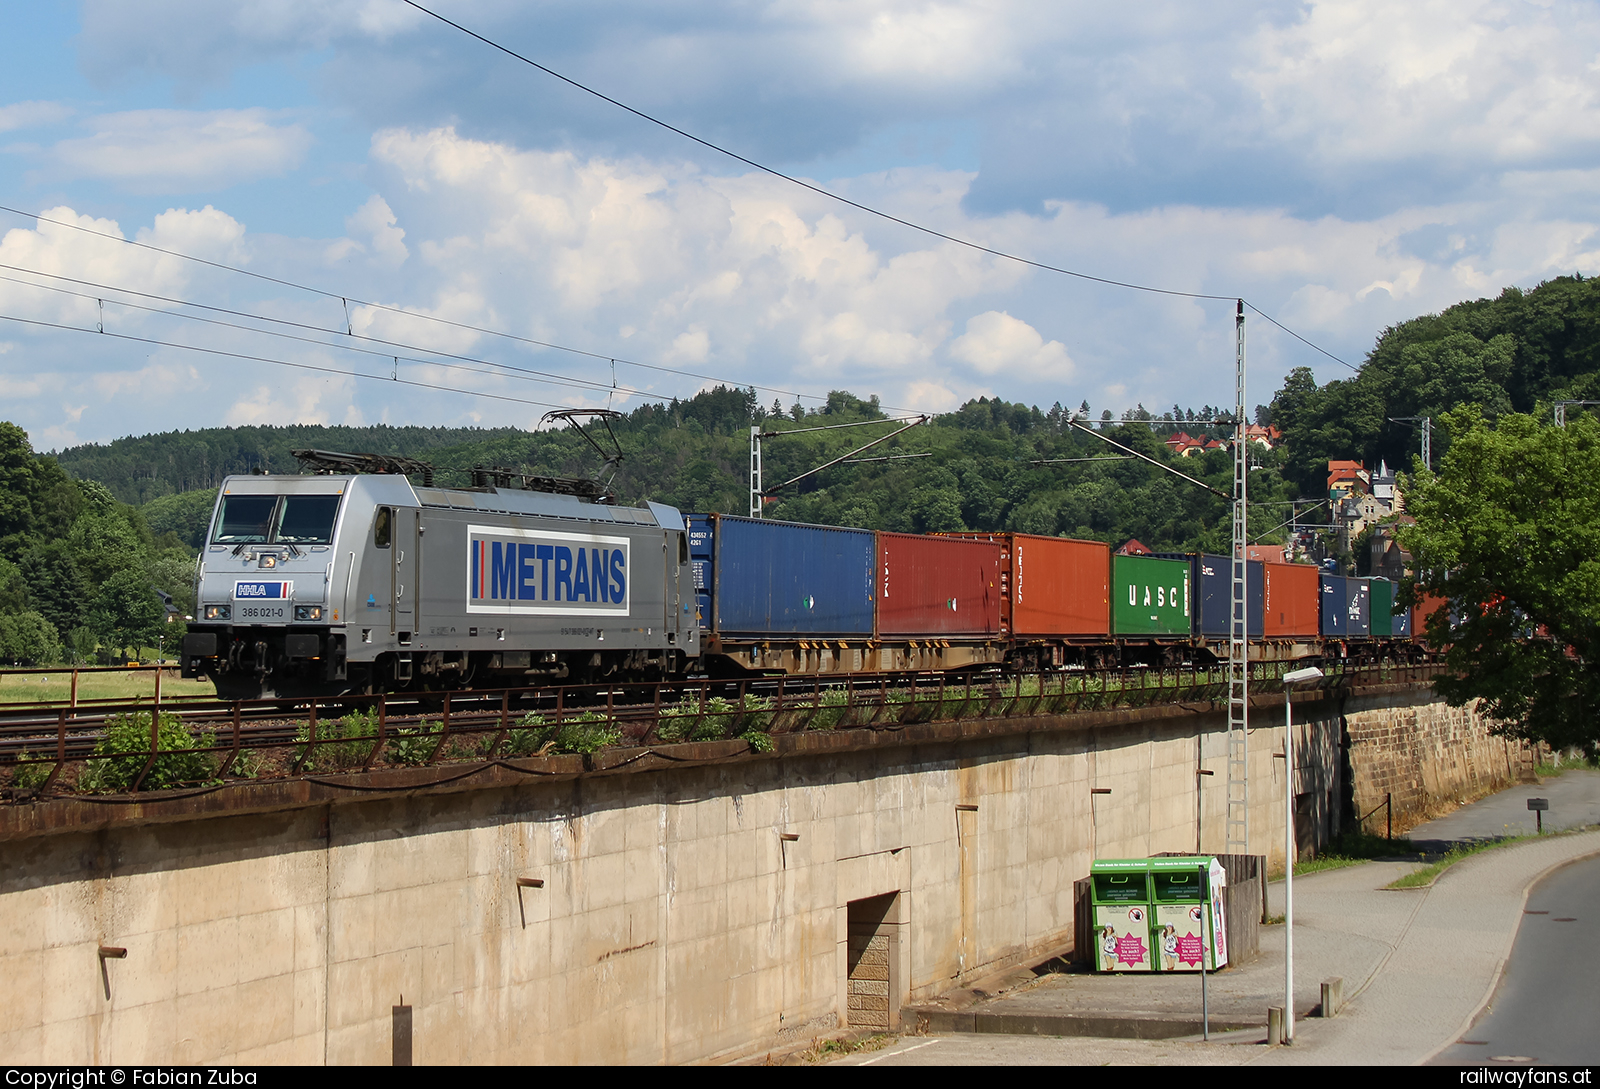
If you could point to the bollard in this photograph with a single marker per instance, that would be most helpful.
(1274, 1026)
(1332, 996)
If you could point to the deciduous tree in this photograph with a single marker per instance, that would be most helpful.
(1508, 530)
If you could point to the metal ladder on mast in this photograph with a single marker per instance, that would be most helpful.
(1238, 818)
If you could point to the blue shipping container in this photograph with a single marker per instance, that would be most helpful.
(1212, 578)
(757, 577)
(1334, 618)
(1358, 608)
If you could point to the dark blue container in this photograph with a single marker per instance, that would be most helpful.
(1212, 579)
(701, 558)
(1335, 617)
(1358, 608)
(755, 577)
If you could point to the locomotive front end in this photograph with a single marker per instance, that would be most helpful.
(265, 622)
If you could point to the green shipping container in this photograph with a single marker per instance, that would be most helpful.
(1382, 609)
(1150, 596)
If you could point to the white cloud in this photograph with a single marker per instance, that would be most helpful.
(321, 400)
(183, 150)
(24, 115)
(1486, 80)
(54, 248)
(690, 347)
(997, 343)
(374, 221)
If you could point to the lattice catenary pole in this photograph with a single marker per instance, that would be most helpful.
(1238, 821)
(755, 472)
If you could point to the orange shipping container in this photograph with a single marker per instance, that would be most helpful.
(1053, 586)
(1291, 601)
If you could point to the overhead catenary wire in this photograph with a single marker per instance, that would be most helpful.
(278, 362)
(520, 373)
(859, 206)
(346, 299)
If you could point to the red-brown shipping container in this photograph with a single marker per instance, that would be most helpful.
(1292, 601)
(1053, 586)
(1420, 613)
(937, 586)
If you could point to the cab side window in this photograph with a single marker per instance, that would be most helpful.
(383, 527)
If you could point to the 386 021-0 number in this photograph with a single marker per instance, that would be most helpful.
(258, 612)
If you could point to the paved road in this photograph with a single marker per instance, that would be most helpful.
(1418, 966)
(1544, 1010)
(1574, 802)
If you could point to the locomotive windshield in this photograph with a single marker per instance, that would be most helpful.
(276, 519)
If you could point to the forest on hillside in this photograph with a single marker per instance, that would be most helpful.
(88, 533)
(1518, 352)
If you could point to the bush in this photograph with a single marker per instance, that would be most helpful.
(720, 718)
(584, 733)
(29, 639)
(412, 745)
(341, 743)
(129, 735)
(31, 771)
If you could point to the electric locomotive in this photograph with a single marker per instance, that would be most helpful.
(356, 580)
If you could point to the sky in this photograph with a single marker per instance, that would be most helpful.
(441, 234)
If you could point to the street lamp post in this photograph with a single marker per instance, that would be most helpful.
(1290, 680)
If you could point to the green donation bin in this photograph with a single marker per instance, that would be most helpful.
(1187, 925)
(1120, 894)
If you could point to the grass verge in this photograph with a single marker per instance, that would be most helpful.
(1350, 849)
(1428, 874)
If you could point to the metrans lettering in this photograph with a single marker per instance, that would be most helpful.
(262, 591)
(543, 573)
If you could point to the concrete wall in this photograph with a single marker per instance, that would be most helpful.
(696, 910)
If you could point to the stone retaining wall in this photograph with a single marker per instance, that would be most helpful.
(680, 905)
(1428, 756)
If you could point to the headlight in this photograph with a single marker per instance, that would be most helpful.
(308, 612)
(219, 612)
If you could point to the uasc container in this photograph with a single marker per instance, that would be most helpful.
(937, 586)
(1150, 596)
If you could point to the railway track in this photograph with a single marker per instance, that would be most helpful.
(291, 736)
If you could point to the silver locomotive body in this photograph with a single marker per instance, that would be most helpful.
(331, 584)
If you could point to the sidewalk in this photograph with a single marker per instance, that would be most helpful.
(1574, 798)
(1417, 965)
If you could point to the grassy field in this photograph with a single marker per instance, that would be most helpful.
(133, 684)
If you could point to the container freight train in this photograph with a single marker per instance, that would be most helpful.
(782, 597)
(361, 581)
